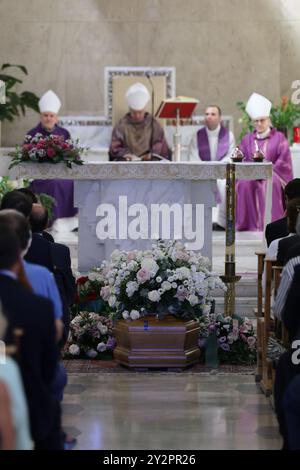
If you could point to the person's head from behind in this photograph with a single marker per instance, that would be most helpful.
(292, 212)
(11, 220)
(38, 218)
(10, 252)
(29, 193)
(212, 116)
(292, 190)
(18, 201)
(137, 97)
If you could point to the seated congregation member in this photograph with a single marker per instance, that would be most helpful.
(35, 200)
(278, 228)
(292, 212)
(40, 278)
(7, 430)
(251, 195)
(291, 412)
(43, 283)
(138, 134)
(40, 248)
(38, 350)
(61, 189)
(273, 250)
(214, 142)
(286, 370)
(14, 420)
(60, 260)
(287, 275)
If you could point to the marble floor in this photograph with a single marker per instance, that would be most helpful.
(168, 411)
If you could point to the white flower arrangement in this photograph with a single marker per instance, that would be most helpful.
(168, 279)
(90, 336)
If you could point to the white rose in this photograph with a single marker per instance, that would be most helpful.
(158, 279)
(125, 315)
(94, 276)
(166, 285)
(131, 288)
(91, 353)
(112, 301)
(174, 285)
(101, 347)
(74, 350)
(183, 272)
(102, 328)
(134, 315)
(206, 309)
(154, 296)
(151, 265)
(193, 300)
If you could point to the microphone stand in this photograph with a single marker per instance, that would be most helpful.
(152, 113)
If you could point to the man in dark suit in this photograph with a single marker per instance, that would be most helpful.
(278, 228)
(284, 244)
(55, 256)
(38, 355)
(286, 370)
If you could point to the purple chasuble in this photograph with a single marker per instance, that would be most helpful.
(251, 195)
(62, 190)
(203, 144)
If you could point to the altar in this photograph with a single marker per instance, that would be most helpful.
(129, 205)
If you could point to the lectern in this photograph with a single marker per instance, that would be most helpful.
(177, 108)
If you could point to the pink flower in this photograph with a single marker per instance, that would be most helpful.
(182, 294)
(131, 255)
(105, 292)
(143, 275)
(251, 341)
(50, 152)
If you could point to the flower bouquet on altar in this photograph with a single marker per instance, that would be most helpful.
(50, 149)
(166, 280)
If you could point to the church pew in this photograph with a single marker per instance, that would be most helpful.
(259, 312)
(266, 328)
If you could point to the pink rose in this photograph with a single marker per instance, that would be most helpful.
(50, 152)
(131, 255)
(143, 275)
(105, 292)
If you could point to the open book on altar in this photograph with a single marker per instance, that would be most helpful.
(185, 105)
(154, 157)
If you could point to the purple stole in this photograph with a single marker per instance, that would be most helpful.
(203, 144)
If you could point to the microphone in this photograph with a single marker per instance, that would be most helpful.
(148, 75)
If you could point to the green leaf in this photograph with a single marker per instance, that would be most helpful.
(21, 67)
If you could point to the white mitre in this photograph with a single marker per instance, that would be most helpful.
(258, 106)
(137, 96)
(49, 103)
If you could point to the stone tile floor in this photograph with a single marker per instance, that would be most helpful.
(168, 411)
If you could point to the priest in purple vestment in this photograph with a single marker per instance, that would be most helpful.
(251, 195)
(62, 190)
(138, 136)
(214, 142)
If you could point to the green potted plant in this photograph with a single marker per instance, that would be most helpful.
(15, 103)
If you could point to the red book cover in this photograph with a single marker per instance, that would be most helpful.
(168, 108)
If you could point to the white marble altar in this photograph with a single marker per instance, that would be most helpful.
(142, 182)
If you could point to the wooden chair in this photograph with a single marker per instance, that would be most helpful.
(259, 312)
(266, 328)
